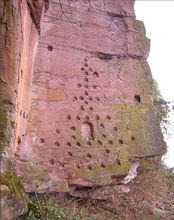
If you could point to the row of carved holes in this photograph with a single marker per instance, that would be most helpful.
(88, 155)
(101, 165)
(86, 86)
(115, 129)
(137, 98)
(87, 117)
(74, 128)
(120, 141)
(81, 98)
(52, 162)
(24, 115)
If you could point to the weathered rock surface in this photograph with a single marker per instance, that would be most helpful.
(18, 41)
(19, 31)
(92, 116)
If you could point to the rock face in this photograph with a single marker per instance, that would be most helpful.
(18, 43)
(92, 117)
(84, 112)
(19, 32)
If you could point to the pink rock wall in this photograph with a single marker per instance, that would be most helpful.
(92, 111)
(30, 37)
(18, 40)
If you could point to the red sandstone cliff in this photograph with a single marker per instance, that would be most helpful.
(92, 117)
(76, 99)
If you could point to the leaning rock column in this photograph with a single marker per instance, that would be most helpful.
(19, 31)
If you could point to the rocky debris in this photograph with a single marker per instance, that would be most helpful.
(132, 172)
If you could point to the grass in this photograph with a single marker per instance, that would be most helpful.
(70, 209)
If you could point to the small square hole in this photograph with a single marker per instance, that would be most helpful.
(50, 48)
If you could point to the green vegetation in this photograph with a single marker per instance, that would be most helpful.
(162, 106)
(153, 217)
(50, 211)
(71, 209)
(14, 184)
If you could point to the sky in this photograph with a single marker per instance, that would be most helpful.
(158, 17)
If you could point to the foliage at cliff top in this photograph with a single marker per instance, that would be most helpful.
(162, 106)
